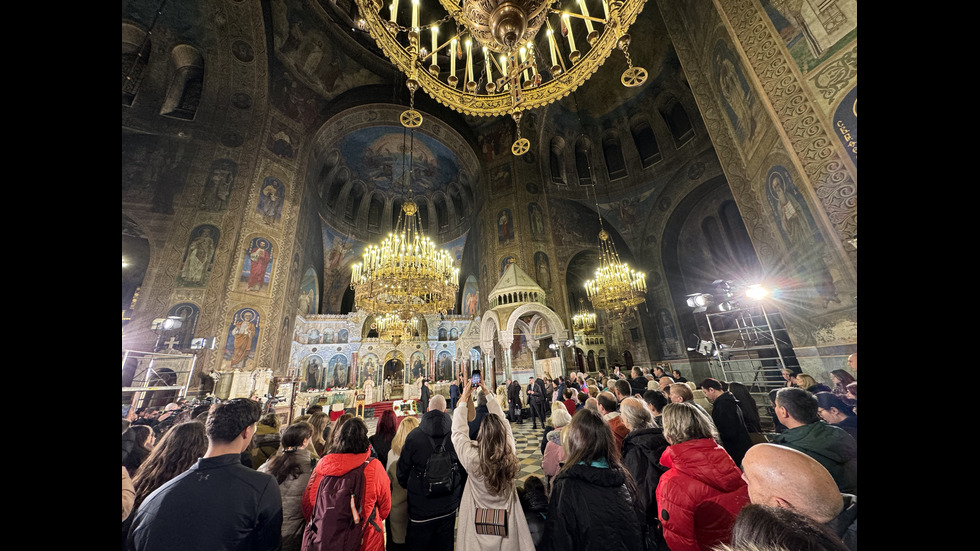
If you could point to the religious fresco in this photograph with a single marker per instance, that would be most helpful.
(378, 156)
(456, 247)
(444, 366)
(572, 226)
(542, 270)
(800, 235)
(312, 371)
(846, 124)
(280, 141)
(494, 139)
(308, 287)
(506, 261)
(505, 227)
(312, 62)
(152, 171)
(271, 196)
(738, 100)
(418, 363)
(337, 372)
(369, 365)
(338, 257)
(182, 336)
(243, 336)
(198, 257)
(471, 297)
(217, 189)
(257, 265)
(536, 219)
(501, 181)
(813, 30)
(669, 342)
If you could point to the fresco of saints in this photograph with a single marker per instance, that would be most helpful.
(259, 255)
(243, 331)
(198, 258)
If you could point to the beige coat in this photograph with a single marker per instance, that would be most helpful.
(475, 493)
(398, 517)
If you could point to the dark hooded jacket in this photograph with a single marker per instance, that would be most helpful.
(591, 509)
(642, 450)
(411, 466)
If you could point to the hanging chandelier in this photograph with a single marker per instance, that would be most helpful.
(616, 288)
(584, 320)
(392, 327)
(488, 58)
(406, 275)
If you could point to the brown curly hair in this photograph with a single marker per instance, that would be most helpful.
(498, 462)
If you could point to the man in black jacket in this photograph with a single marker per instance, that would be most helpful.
(535, 398)
(218, 503)
(728, 419)
(432, 520)
(514, 399)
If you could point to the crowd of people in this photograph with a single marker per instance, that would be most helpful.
(633, 461)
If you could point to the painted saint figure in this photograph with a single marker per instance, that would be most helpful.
(199, 254)
(260, 256)
(242, 332)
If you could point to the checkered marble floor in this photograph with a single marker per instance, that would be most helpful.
(528, 447)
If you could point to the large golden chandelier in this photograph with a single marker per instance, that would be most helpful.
(512, 69)
(616, 287)
(406, 275)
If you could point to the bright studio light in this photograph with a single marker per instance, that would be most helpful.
(756, 292)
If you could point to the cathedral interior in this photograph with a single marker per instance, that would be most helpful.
(263, 150)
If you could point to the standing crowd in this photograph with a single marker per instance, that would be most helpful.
(643, 461)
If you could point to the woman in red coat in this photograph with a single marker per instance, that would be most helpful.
(351, 449)
(702, 491)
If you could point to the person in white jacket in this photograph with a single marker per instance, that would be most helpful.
(492, 466)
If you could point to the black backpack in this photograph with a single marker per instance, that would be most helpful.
(441, 474)
(332, 522)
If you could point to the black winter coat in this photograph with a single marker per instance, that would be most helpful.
(731, 426)
(641, 456)
(590, 509)
(411, 464)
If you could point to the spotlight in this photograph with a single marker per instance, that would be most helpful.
(756, 292)
(700, 301)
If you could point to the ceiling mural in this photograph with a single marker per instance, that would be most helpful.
(378, 156)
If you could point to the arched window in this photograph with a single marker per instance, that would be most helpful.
(583, 166)
(186, 83)
(374, 213)
(442, 213)
(457, 200)
(354, 202)
(339, 179)
(396, 211)
(679, 123)
(556, 158)
(646, 144)
(135, 56)
(613, 153)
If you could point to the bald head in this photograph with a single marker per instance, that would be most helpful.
(438, 402)
(852, 361)
(783, 477)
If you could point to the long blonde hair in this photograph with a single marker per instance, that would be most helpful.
(401, 433)
(498, 462)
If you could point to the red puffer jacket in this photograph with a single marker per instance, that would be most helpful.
(699, 495)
